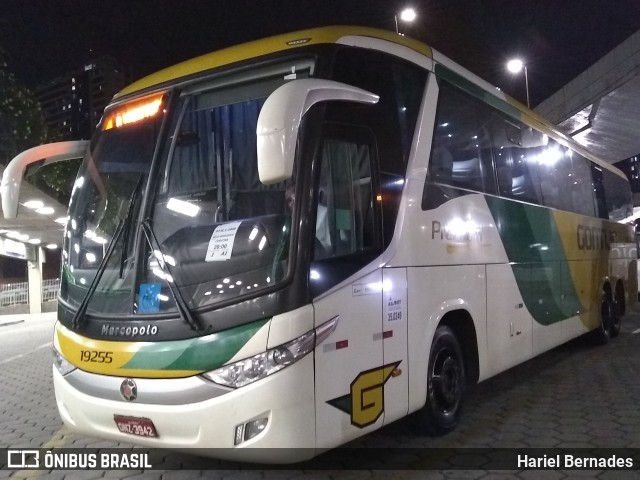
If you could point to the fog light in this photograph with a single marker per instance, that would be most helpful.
(249, 430)
(255, 427)
(237, 438)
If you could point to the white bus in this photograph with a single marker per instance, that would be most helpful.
(296, 241)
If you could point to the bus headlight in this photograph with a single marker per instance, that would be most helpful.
(61, 363)
(259, 366)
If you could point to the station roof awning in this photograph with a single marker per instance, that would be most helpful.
(40, 228)
(600, 108)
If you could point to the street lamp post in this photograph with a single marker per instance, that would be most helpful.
(515, 66)
(407, 15)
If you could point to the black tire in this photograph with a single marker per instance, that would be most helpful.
(608, 320)
(445, 385)
(619, 311)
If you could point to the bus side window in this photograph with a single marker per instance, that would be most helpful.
(344, 204)
(617, 197)
(348, 205)
(582, 192)
(613, 198)
(461, 149)
(598, 190)
(556, 173)
(516, 161)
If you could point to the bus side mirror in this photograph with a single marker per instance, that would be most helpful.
(45, 154)
(280, 117)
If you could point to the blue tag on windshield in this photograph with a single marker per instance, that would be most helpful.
(148, 295)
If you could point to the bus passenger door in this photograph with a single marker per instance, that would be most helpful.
(350, 369)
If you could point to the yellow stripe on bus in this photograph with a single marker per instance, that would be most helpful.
(107, 357)
(266, 46)
(588, 244)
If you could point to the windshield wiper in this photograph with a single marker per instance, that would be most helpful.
(127, 225)
(80, 316)
(181, 304)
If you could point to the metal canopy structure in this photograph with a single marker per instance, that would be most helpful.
(600, 108)
(38, 226)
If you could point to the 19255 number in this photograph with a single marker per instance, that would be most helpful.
(96, 356)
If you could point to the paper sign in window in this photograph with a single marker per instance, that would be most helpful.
(221, 242)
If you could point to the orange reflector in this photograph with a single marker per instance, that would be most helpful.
(133, 112)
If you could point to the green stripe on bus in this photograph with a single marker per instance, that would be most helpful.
(533, 245)
(201, 354)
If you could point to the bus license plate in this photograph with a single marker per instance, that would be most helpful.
(143, 427)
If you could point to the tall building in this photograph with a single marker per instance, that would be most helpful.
(73, 103)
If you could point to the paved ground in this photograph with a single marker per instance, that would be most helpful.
(577, 395)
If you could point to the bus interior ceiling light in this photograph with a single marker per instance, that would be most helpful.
(182, 207)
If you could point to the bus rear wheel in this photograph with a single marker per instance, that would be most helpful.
(609, 321)
(445, 384)
(619, 311)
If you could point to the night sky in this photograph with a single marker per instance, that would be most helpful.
(558, 38)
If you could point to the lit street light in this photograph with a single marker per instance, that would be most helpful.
(407, 15)
(516, 66)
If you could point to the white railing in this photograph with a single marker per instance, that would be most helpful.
(50, 289)
(18, 293)
(14, 294)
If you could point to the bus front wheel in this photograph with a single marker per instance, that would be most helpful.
(445, 384)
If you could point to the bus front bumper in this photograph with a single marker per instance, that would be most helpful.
(285, 399)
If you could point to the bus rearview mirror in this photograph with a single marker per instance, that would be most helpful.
(281, 115)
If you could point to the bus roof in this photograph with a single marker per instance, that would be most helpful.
(266, 46)
(334, 34)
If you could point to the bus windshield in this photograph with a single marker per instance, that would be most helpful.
(216, 232)
(115, 166)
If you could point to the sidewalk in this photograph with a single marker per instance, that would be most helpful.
(21, 318)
